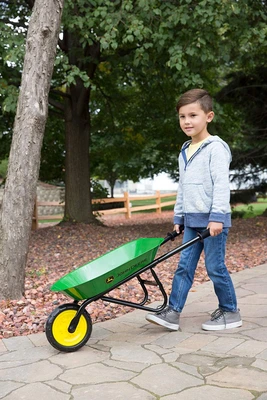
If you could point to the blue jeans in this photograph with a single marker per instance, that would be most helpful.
(214, 251)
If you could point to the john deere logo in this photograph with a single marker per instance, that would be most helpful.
(110, 279)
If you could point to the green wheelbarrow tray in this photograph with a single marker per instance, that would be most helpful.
(105, 272)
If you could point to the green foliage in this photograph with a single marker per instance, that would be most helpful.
(53, 153)
(3, 168)
(247, 92)
(129, 124)
(237, 214)
(135, 58)
(98, 191)
(13, 23)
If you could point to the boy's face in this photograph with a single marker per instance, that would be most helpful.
(193, 121)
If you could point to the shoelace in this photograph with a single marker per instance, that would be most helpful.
(166, 311)
(218, 314)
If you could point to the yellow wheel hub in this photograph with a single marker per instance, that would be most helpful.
(61, 325)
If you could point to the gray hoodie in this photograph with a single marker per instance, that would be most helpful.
(203, 189)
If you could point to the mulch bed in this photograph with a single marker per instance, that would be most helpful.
(56, 250)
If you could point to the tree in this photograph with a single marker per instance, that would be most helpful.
(134, 125)
(185, 43)
(140, 34)
(24, 159)
(244, 95)
(248, 93)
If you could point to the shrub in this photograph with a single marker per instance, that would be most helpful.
(245, 196)
(98, 191)
(238, 214)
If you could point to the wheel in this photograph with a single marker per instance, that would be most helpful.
(57, 325)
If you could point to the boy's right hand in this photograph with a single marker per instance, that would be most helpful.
(215, 228)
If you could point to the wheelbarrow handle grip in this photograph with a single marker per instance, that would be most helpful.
(172, 235)
(175, 233)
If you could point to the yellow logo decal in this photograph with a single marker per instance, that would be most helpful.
(110, 279)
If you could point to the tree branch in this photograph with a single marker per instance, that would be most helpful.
(56, 104)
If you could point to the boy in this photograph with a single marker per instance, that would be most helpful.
(202, 202)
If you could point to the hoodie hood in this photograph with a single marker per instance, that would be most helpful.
(209, 140)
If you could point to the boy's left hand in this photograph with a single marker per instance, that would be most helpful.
(215, 228)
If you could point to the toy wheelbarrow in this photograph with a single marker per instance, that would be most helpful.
(69, 326)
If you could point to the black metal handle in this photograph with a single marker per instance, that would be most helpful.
(172, 235)
(203, 235)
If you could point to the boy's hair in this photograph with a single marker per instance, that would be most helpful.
(200, 96)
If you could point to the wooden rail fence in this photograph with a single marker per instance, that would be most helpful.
(127, 208)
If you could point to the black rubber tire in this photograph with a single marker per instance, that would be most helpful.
(56, 328)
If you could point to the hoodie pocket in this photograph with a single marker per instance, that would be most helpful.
(196, 199)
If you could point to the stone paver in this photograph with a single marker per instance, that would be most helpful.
(222, 345)
(112, 391)
(244, 378)
(38, 391)
(211, 392)
(165, 379)
(130, 358)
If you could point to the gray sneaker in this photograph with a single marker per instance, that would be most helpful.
(168, 318)
(223, 320)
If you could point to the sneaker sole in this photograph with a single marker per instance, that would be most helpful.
(158, 321)
(221, 327)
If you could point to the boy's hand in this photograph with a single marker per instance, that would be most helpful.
(215, 228)
(176, 228)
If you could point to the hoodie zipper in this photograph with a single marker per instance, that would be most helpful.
(193, 155)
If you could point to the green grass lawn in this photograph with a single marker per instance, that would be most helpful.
(138, 203)
(244, 210)
(252, 209)
(49, 221)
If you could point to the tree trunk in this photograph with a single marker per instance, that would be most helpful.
(24, 159)
(77, 179)
(77, 119)
(112, 187)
